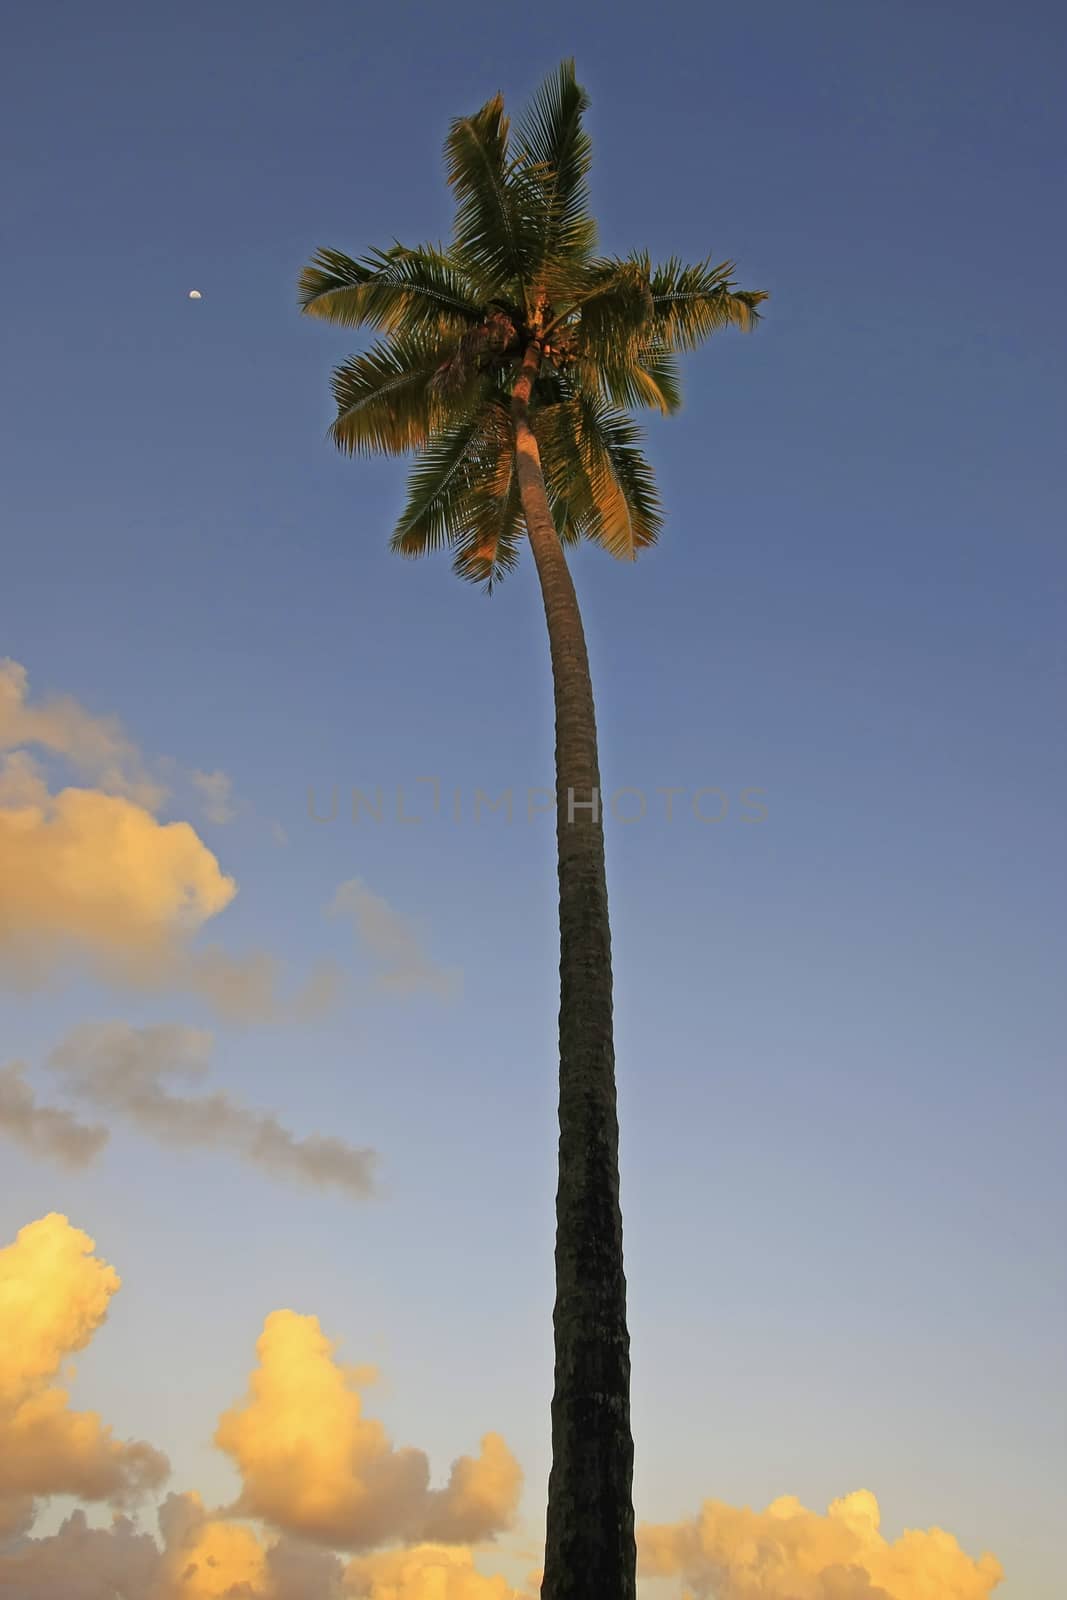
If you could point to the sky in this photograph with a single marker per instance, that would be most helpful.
(839, 1027)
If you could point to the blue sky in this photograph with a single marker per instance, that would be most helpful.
(839, 1029)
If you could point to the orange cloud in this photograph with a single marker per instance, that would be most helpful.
(207, 1559)
(314, 1467)
(100, 868)
(85, 872)
(424, 1572)
(54, 1294)
(89, 874)
(312, 1464)
(202, 1558)
(94, 746)
(789, 1553)
(94, 878)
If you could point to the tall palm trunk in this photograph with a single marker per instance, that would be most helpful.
(590, 1552)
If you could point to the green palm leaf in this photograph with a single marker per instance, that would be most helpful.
(496, 231)
(693, 302)
(388, 289)
(599, 484)
(460, 485)
(488, 547)
(559, 152)
(649, 378)
(386, 399)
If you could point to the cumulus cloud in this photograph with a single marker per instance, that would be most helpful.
(44, 1130)
(83, 1563)
(208, 1559)
(83, 871)
(789, 1553)
(421, 1572)
(125, 1070)
(90, 875)
(204, 1557)
(96, 747)
(54, 1294)
(312, 1464)
(17, 1512)
(93, 877)
(323, 1475)
(301, 1571)
(395, 949)
(200, 1557)
(99, 867)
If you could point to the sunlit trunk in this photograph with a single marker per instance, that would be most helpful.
(590, 1552)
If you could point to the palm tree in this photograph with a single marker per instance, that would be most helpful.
(509, 365)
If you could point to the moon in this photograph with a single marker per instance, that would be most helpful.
(194, 294)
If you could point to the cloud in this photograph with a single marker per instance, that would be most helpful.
(204, 1557)
(83, 1563)
(44, 1130)
(84, 871)
(17, 1512)
(302, 1572)
(216, 795)
(313, 1465)
(122, 1069)
(54, 1294)
(395, 949)
(91, 877)
(422, 1572)
(200, 1557)
(208, 1559)
(789, 1553)
(316, 1469)
(95, 878)
(96, 747)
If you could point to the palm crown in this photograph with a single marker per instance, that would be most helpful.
(521, 272)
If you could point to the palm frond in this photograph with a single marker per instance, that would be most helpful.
(646, 376)
(628, 512)
(615, 309)
(690, 303)
(488, 547)
(557, 151)
(600, 486)
(462, 492)
(386, 398)
(495, 231)
(436, 484)
(392, 290)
